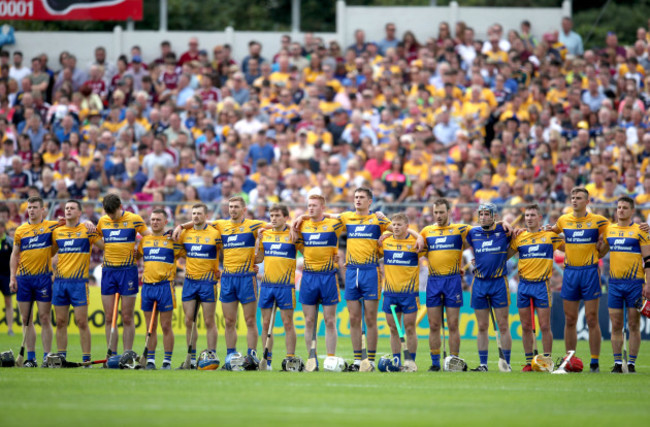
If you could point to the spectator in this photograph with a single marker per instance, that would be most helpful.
(569, 38)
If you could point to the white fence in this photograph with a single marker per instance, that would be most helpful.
(423, 21)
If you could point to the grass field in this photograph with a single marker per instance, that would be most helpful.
(101, 397)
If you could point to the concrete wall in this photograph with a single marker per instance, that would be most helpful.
(423, 21)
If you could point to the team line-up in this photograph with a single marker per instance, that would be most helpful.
(583, 236)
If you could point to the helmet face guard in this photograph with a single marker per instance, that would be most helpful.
(454, 364)
(208, 361)
(293, 364)
(129, 360)
(334, 364)
(388, 363)
(542, 364)
(55, 360)
(7, 359)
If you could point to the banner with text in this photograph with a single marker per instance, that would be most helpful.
(467, 325)
(79, 10)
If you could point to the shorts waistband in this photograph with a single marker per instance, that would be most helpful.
(363, 267)
(33, 276)
(276, 285)
(164, 282)
(626, 282)
(489, 278)
(443, 276)
(580, 267)
(118, 267)
(534, 282)
(401, 294)
(319, 272)
(65, 279)
(200, 280)
(252, 273)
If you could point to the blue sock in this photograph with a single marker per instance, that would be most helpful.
(151, 355)
(45, 356)
(413, 357)
(435, 357)
(483, 356)
(168, 357)
(632, 359)
(85, 357)
(63, 353)
(399, 357)
(251, 351)
(193, 353)
(618, 358)
(506, 354)
(231, 351)
(594, 359)
(269, 357)
(31, 355)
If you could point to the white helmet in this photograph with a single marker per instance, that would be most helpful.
(454, 364)
(334, 364)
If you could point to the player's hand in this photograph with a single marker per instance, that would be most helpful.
(168, 233)
(547, 227)
(176, 235)
(297, 223)
(517, 232)
(380, 215)
(473, 262)
(382, 238)
(13, 284)
(256, 268)
(419, 244)
(507, 228)
(644, 227)
(599, 244)
(646, 291)
(61, 221)
(90, 226)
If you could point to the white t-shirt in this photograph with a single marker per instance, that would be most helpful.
(18, 74)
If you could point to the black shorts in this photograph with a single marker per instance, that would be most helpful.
(4, 286)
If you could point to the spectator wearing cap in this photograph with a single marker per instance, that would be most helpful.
(192, 53)
(569, 38)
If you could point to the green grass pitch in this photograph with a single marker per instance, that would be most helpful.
(98, 397)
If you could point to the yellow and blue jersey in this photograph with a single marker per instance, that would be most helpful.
(120, 238)
(321, 243)
(490, 250)
(401, 266)
(444, 248)
(35, 243)
(200, 249)
(581, 236)
(536, 254)
(238, 244)
(363, 233)
(279, 258)
(73, 245)
(159, 254)
(626, 261)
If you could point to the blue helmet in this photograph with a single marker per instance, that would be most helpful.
(208, 361)
(234, 362)
(113, 362)
(490, 207)
(388, 363)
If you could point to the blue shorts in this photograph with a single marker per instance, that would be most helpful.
(406, 303)
(316, 287)
(450, 286)
(624, 293)
(495, 289)
(581, 283)
(283, 296)
(362, 282)
(206, 290)
(238, 287)
(122, 279)
(70, 292)
(161, 292)
(34, 288)
(4, 286)
(539, 291)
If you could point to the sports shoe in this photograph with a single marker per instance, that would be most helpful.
(151, 366)
(166, 366)
(594, 368)
(30, 364)
(434, 368)
(11, 333)
(354, 367)
(617, 369)
(527, 368)
(631, 369)
(268, 367)
(480, 368)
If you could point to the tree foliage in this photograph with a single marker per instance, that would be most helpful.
(623, 19)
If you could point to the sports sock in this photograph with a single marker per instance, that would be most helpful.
(251, 351)
(63, 353)
(193, 355)
(547, 354)
(168, 357)
(330, 354)
(31, 355)
(506, 355)
(85, 357)
(269, 357)
(594, 359)
(230, 351)
(618, 358)
(413, 357)
(291, 355)
(399, 357)
(483, 356)
(529, 358)
(357, 355)
(213, 350)
(151, 356)
(372, 354)
(435, 357)
(453, 354)
(45, 356)
(632, 359)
